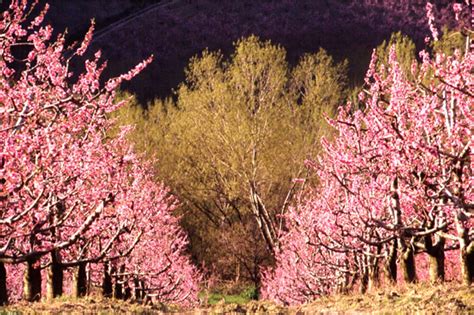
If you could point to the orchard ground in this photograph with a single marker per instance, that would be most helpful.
(425, 298)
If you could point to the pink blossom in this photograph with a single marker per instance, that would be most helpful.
(431, 18)
(457, 8)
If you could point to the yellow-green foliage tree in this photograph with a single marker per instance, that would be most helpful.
(450, 41)
(405, 51)
(234, 141)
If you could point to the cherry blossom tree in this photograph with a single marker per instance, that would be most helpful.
(68, 196)
(396, 181)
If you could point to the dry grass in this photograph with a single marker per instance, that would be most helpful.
(420, 298)
(88, 305)
(424, 298)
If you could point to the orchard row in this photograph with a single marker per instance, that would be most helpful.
(74, 200)
(395, 200)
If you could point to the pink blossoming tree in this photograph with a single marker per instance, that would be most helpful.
(395, 183)
(69, 196)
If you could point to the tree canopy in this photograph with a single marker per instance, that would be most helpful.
(234, 140)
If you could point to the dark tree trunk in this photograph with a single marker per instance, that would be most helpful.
(436, 258)
(467, 263)
(107, 288)
(391, 263)
(396, 214)
(257, 281)
(55, 278)
(466, 252)
(136, 289)
(437, 267)
(466, 245)
(118, 290)
(31, 282)
(364, 281)
(127, 294)
(407, 265)
(118, 285)
(79, 286)
(364, 274)
(3, 285)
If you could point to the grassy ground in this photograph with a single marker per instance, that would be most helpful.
(421, 298)
(89, 305)
(246, 295)
(215, 298)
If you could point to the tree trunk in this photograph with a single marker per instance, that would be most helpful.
(344, 281)
(391, 263)
(136, 289)
(407, 265)
(437, 267)
(127, 293)
(118, 285)
(143, 294)
(364, 274)
(107, 281)
(3, 285)
(237, 273)
(263, 220)
(257, 281)
(374, 269)
(79, 281)
(374, 280)
(364, 280)
(396, 214)
(466, 246)
(55, 275)
(117, 289)
(31, 282)
(436, 258)
(466, 251)
(467, 263)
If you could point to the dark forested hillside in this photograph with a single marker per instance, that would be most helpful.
(177, 30)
